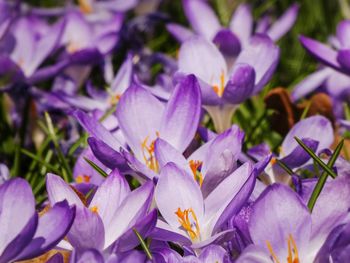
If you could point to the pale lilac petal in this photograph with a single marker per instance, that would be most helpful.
(122, 80)
(283, 24)
(52, 227)
(139, 117)
(109, 195)
(284, 204)
(254, 254)
(317, 128)
(58, 190)
(181, 117)
(132, 209)
(179, 32)
(89, 255)
(310, 83)
(165, 232)
(320, 51)
(185, 195)
(242, 23)
(195, 11)
(263, 55)
(213, 253)
(343, 33)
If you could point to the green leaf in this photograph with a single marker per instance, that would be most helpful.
(322, 180)
(285, 167)
(96, 167)
(45, 164)
(316, 158)
(143, 244)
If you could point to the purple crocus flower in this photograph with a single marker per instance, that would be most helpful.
(23, 234)
(204, 22)
(189, 218)
(287, 231)
(112, 212)
(225, 86)
(142, 119)
(337, 58)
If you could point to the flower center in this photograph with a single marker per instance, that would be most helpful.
(219, 89)
(292, 257)
(85, 6)
(82, 178)
(148, 154)
(94, 209)
(114, 99)
(196, 167)
(189, 222)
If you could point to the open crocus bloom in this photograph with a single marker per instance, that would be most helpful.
(337, 59)
(224, 86)
(209, 164)
(113, 210)
(288, 232)
(188, 217)
(316, 132)
(23, 234)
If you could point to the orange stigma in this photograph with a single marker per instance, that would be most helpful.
(191, 226)
(196, 170)
(273, 161)
(94, 209)
(293, 256)
(114, 99)
(219, 89)
(83, 179)
(85, 6)
(148, 154)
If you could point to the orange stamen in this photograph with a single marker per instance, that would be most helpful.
(197, 174)
(85, 7)
(184, 220)
(94, 209)
(292, 257)
(219, 89)
(148, 154)
(114, 99)
(83, 179)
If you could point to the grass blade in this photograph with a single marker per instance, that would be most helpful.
(143, 244)
(322, 180)
(316, 158)
(96, 167)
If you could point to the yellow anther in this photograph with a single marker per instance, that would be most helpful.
(273, 161)
(190, 225)
(148, 154)
(94, 209)
(219, 89)
(82, 178)
(114, 99)
(85, 6)
(196, 170)
(292, 257)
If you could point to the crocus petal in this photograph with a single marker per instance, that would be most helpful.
(343, 58)
(242, 23)
(320, 51)
(227, 42)
(262, 54)
(87, 230)
(89, 255)
(229, 196)
(58, 190)
(57, 258)
(131, 210)
(343, 33)
(179, 32)
(284, 23)
(139, 117)
(185, 195)
(310, 83)
(96, 129)
(195, 10)
(240, 85)
(17, 217)
(165, 232)
(317, 128)
(254, 254)
(122, 80)
(109, 196)
(181, 117)
(52, 227)
(280, 222)
(202, 58)
(106, 155)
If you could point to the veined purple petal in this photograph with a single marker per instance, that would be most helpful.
(283, 24)
(287, 217)
(181, 117)
(227, 42)
(343, 33)
(89, 255)
(179, 32)
(317, 128)
(195, 11)
(58, 190)
(320, 51)
(57, 258)
(185, 195)
(262, 54)
(343, 58)
(242, 23)
(52, 227)
(139, 117)
(213, 253)
(109, 195)
(240, 85)
(18, 218)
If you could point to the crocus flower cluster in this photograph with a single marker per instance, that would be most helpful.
(116, 148)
